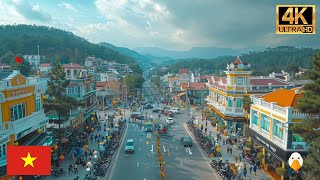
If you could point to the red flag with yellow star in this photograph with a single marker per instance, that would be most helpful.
(29, 160)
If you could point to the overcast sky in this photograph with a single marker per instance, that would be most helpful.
(169, 24)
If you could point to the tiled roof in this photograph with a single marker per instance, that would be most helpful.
(101, 83)
(284, 97)
(45, 65)
(4, 75)
(194, 85)
(204, 77)
(237, 61)
(173, 78)
(183, 71)
(72, 65)
(265, 81)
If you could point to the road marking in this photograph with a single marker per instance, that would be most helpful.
(186, 149)
(181, 162)
(151, 148)
(189, 150)
(142, 129)
(140, 139)
(173, 139)
(144, 178)
(164, 149)
(139, 148)
(168, 151)
(137, 164)
(177, 147)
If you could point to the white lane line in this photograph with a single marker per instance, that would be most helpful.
(173, 139)
(139, 148)
(189, 150)
(164, 149)
(137, 164)
(177, 147)
(144, 178)
(140, 139)
(186, 149)
(151, 148)
(181, 162)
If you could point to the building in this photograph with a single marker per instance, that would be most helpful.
(110, 76)
(45, 67)
(22, 119)
(271, 117)
(4, 67)
(281, 75)
(183, 76)
(226, 93)
(194, 92)
(73, 70)
(34, 60)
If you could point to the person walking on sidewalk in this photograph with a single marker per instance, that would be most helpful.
(255, 169)
(86, 154)
(205, 130)
(75, 168)
(250, 169)
(70, 168)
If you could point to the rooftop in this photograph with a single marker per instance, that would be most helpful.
(72, 66)
(194, 85)
(284, 97)
(45, 65)
(184, 71)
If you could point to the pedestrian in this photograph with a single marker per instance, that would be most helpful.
(240, 157)
(91, 153)
(99, 117)
(245, 172)
(96, 137)
(201, 127)
(86, 154)
(70, 168)
(255, 169)
(205, 130)
(75, 168)
(250, 169)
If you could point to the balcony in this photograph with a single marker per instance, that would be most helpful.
(35, 120)
(228, 111)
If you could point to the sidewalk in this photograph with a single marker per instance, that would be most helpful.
(235, 151)
(92, 146)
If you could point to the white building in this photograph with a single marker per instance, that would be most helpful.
(183, 76)
(34, 60)
(72, 70)
(45, 67)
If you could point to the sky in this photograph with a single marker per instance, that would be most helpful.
(168, 24)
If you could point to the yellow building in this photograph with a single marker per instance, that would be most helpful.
(22, 119)
(226, 93)
(271, 117)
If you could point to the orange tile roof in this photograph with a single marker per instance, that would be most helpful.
(284, 97)
(173, 78)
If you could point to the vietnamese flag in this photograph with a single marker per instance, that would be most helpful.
(29, 160)
(18, 60)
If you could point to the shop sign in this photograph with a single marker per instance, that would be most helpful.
(77, 121)
(16, 92)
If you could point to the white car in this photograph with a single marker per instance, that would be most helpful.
(175, 110)
(129, 146)
(170, 120)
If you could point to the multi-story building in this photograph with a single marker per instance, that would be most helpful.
(183, 76)
(73, 70)
(34, 60)
(22, 119)
(195, 92)
(45, 67)
(226, 93)
(4, 67)
(271, 118)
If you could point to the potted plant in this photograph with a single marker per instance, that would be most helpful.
(280, 171)
(260, 155)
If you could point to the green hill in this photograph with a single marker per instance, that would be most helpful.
(262, 62)
(54, 44)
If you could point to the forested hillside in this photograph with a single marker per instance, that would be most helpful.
(262, 62)
(54, 44)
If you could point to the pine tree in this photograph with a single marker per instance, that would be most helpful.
(309, 129)
(57, 101)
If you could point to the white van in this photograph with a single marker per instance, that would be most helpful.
(175, 110)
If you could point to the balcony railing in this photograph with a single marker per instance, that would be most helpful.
(230, 111)
(32, 120)
(279, 109)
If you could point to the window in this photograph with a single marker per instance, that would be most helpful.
(38, 104)
(240, 81)
(3, 152)
(254, 117)
(239, 103)
(17, 111)
(277, 128)
(230, 102)
(265, 122)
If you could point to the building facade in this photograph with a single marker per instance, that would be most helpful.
(34, 60)
(22, 119)
(183, 76)
(271, 118)
(226, 94)
(45, 67)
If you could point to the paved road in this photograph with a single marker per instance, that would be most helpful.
(143, 163)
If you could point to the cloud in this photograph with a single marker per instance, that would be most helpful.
(68, 6)
(29, 12)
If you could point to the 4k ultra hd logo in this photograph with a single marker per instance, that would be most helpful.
(296, 19)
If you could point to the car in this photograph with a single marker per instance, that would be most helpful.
(148, 106)
(170, 120)
(156, 110)
(186, 141)
(175, 110)
(168, 113)
(129, 146)
(135, 115)
(148, 127)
